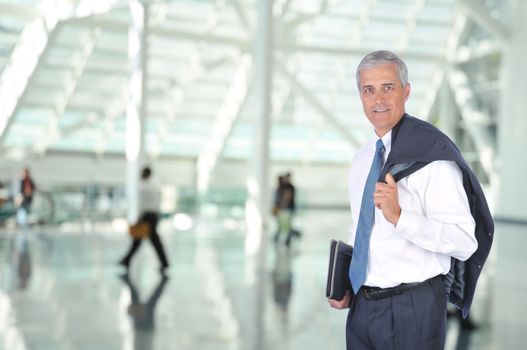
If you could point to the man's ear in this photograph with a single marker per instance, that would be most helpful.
(406, 92)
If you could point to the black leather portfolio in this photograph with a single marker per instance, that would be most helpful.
(338, 272)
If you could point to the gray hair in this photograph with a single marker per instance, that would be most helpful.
(378, 58)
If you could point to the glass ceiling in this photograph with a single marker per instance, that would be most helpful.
(75, 97)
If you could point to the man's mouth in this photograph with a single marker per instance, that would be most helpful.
(381, 109)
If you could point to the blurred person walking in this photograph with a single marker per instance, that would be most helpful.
(149, 201)
(284, 209)
(27, 189)
(27, 192)
(276, 206)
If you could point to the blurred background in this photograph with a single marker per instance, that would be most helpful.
(219, 98)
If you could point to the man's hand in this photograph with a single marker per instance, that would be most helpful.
(341, 304)
(386, 198)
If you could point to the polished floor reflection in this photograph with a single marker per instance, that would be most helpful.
(63, 289)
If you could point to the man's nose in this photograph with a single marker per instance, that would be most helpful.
(378, 96)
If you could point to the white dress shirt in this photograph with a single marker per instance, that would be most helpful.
(435, 222)
(149, 197)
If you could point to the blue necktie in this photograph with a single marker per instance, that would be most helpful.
(359, 262)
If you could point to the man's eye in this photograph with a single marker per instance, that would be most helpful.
(367, 90)
(388, 87)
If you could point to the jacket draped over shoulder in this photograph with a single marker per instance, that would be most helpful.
(416, 143)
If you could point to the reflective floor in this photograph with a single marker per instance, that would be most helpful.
(63, 289)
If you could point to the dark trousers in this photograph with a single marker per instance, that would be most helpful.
(152, 219)
(26, 203)
(414, 319)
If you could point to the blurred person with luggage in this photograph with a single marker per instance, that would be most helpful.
(149, 201)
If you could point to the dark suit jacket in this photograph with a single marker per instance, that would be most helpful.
(416, 143)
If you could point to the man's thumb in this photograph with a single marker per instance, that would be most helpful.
(389, 179)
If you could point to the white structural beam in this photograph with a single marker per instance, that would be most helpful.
(432, 92)
(456, 84)
(410, 23)
(22, 63)
(223, 123)
(91, 118)
(87, 8)
(228, 112)
(448, 115)
(458, 31)
(512, 121)
(196, 70)
(319, 106)
(136, 106)
(347, 65)
(29, 49)
(350, 51)
(24, 12)
(162, 31)
(242, 44)
(480, 14)
(437, 77)
(301, 19)
(280, 97)
(476, 121)
(107, 131)
(243, 14)
(109, 119)
(476, 51)
(52, 128)
(439, 80)
(344, 67)
(281, 8)
(358, 29)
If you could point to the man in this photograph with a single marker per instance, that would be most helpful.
(149, 206)
(416, 241)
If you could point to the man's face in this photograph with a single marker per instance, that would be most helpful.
(383, 97)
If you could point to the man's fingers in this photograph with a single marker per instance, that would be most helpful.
(383, 190)
(340, 304)
(389, 179)
(379, 187)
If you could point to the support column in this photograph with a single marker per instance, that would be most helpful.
(512, 141)
(257, 207)
(136, 108)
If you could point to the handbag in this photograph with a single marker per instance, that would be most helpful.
(140, 230)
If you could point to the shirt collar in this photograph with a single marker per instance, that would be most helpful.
(387, 140)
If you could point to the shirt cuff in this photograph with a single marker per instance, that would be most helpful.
(408, 224)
